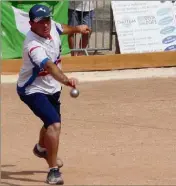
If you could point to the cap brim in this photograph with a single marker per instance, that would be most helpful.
(37, 19)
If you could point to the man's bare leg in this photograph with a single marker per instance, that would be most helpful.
(51, 142)
(41, 137)
(42, 145)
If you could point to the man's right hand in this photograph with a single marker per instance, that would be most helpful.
(72, 82)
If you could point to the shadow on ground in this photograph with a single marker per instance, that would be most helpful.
(8, 175)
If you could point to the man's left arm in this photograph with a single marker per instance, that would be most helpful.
(83, 29)
(69, 30)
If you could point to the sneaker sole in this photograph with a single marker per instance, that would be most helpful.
(61, 182)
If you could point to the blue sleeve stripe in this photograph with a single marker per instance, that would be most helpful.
(42, 64)
(35, 71)
(58, 30)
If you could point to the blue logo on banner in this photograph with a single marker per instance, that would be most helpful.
(172, 47)
(167, 30)
(163, 11)
(169, 39)
(165, 20)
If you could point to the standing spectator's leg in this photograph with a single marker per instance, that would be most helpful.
(72, 21)
(87, 20)
(71, 43)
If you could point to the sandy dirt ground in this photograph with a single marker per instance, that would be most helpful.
(116, 133)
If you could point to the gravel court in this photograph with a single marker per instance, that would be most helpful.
(117, 132)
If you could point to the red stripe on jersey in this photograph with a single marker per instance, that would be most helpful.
(58, 61)
(43, 73)
(33, 49)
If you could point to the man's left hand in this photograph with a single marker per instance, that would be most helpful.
(83, 29)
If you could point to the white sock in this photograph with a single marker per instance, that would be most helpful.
(40, 149)
(53, 168)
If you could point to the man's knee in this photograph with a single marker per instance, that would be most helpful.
(56, 126)
(53, 127)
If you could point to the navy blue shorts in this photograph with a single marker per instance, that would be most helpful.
(76, 18)
(46, 107)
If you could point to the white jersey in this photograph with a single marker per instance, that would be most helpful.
(36, 52)
(84, 6)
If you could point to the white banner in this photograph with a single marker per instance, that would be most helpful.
(145, 26)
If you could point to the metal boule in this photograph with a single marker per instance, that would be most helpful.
(74, 93)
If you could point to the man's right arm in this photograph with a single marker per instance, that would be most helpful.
(39, 57)
(59, 75)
